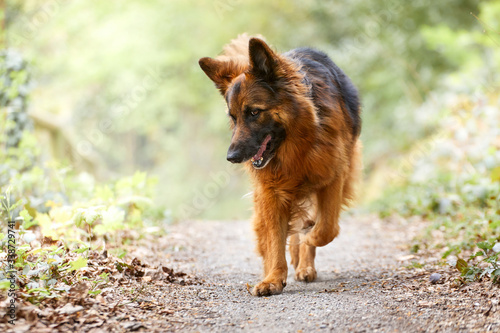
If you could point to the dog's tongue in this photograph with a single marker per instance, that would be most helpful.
(262, 148)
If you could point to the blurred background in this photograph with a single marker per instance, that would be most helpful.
(104, 104)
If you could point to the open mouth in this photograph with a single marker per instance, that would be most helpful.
(258, 160)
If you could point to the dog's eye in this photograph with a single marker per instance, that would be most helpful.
(255, 112)
(233, 118)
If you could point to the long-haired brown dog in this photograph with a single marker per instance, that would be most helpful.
(296, 123)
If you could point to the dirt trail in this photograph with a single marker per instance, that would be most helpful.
(367, 282)
(362, 286)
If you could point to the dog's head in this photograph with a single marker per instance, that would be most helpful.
(255, 102)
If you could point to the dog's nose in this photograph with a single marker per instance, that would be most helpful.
(234, 155)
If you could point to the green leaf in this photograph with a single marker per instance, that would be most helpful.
(78, 263)
(5, 284)
(22, 249)
(39, 290)
(78, 217)
(17, 204)
(492, 259)
(81, 250)
(25, 215)
(120, 253)
(120, 266)
(91, 216)
(461, 266)
(28, 220)
(477, 254)
(484, 245)
(471, 273)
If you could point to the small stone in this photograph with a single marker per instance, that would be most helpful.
(69, 309)
(425, 304)
(434, 278)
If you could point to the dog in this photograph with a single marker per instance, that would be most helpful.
(295, 120)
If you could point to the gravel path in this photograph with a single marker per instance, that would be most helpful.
(367, 282)
(355, 258)
(362, 285)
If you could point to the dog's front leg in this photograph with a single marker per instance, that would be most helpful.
(271, 226)
(329, 207)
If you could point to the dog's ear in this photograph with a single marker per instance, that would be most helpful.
(263, 60)
(220, 72)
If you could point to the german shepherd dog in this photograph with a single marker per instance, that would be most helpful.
(296, 123)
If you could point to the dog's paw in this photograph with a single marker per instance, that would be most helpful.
(268, 288)
(306, 274)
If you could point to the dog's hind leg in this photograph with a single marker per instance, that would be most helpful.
(305, 270)
(294, 248)
(303, 255)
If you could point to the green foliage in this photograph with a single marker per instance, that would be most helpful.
(7, 207)
(78, 264)
(101, 282)
(107, 213)
(63, 216)
(452, 177)
(164, 115)
(15, 85)
(76, 230)
(482, 263)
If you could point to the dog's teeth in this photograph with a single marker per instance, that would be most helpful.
(257, 163)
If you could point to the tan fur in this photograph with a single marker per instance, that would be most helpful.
(237, 50)
(312, 177)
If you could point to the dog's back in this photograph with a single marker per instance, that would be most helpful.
(326, 78)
